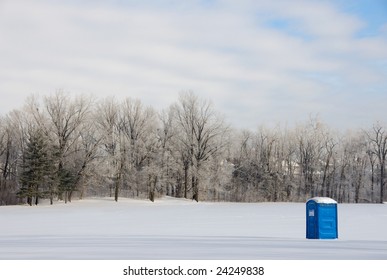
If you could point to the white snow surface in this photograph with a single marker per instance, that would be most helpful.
(325, 200)
(176, 229)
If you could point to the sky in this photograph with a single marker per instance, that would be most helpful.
(260, 62)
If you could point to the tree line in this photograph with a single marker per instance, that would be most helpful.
(59, 147)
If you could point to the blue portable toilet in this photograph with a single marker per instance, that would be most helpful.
(321, 218)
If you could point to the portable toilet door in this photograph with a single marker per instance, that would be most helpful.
(311, 224)
(321, 218)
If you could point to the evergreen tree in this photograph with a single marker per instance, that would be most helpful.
(66, 183)
(35, 169)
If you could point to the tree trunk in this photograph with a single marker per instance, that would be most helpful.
(195, 188)
(382, 172)
(29, 200)
(357, 188)
(116, 189)
(185, 181)
(70, 195)
(372, 183)
(152, 187)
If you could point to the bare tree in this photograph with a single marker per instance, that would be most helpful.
(289, 164)
(372, 159)
(378, 140)
(126, 148)
(16, 125)
(65, 118)
(107, 117)
(352, 163)
(6, 158)
(166, 154)
(86, 151)
(138, 126)
(242, 175)
(267, 142)
(5, 153)
(201, 129)
(314, 155)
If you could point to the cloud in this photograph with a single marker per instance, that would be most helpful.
(259, 61)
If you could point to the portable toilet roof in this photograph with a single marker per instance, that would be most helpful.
(321, 218)
(326, 200)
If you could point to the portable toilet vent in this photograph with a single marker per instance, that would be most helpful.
(321, 218)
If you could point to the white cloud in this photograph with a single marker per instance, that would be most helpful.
(225, 51)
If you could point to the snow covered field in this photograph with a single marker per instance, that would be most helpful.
(181, 229)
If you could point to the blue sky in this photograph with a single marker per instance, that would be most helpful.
(373, 12)
(260, 62)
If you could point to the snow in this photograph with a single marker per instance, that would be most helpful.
(182, 229)
(325, 200)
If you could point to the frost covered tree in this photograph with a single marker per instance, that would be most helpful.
(66, 118)
(5, 160)
(268, 156)
(14, 135)
(314, 154)
(124, 148)
(8, 161)
(378, 140)
(201, 134)
(351, 167)
(62, 119)
(106, 118)
(166, 153)
(243, 176)
(86, 151)
(137, 125)
(372, 159)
